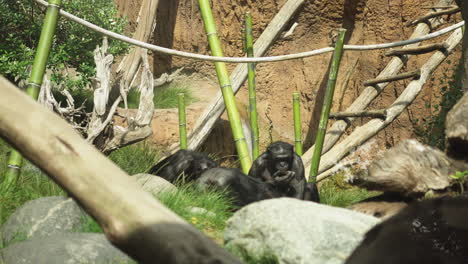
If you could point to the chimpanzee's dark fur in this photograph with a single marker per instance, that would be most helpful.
(189, 163)
(281, 167)
(429, 232)
(245, 189)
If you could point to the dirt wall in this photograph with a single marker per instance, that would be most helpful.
(179, 26)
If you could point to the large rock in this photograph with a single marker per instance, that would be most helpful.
(153, 184)
(64, 248)
(43, 217)
(297, 231)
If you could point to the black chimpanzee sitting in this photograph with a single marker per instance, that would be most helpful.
(244, 189)
(281, 167)
(187, 163)
(429, 232)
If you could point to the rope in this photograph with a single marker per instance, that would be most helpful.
(244, 59)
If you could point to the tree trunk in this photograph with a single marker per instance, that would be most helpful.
(132, 219)
(146, 24)
(463, 4)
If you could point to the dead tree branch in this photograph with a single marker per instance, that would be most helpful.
(412, 74)
(417, 50)
(370, 113)
(449, 11)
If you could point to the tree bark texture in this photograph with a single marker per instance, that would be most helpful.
(146, 24)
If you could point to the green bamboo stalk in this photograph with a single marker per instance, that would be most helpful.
(297, 124)
(225, 83)
(327, 105)
(182, 122)
(251, 82)
(15, 160)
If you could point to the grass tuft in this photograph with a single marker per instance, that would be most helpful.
(136, 158)
(165, 96)
(335, 191)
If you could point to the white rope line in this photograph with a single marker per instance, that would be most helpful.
(244, 59)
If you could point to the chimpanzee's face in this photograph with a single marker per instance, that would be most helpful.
(281, 156)
(201, 165)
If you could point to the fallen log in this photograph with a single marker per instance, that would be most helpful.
(410, 169)
(456, 130)
(132, 219)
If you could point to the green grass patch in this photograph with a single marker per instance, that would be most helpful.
(32, 184)
(165, 96)
(218, 204)
(136, 158)
(335, 191)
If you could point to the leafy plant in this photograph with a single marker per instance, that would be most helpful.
(73, 45)
(431, 130)
(459, 177)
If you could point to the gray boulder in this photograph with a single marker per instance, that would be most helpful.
(43, 217)
(296, 231)
(153, 184)
(64, 248)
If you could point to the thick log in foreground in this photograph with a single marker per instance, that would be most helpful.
(132, 219)
(418, 50)
(371, 92)
(410, 169)
(412, 74)
(456, 130)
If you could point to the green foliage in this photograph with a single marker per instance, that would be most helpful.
(33, 184)
(165, 96)
(431, 131)
(90, 226)
(218, 205)
(335, 191)
(268, 258)
(459, 177)
(136, 158)
(20, 28)
(217, 202)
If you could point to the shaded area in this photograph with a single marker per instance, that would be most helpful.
(164, 34)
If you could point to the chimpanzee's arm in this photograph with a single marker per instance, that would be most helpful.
(299, 182)
(259, 169)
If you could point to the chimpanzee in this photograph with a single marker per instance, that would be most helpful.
(281, 167)
(245, 189)
(187, 163)
(428, 232)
